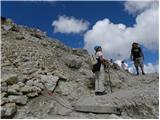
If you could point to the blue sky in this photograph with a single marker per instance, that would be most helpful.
(42, 14)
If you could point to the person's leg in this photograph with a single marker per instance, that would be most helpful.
(101, 79)
(141, 65)
(136, 66)
(97, 81)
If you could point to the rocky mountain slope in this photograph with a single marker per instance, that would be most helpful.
(32, 64)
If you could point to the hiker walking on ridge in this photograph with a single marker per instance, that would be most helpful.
(138, 57)
(98, 69)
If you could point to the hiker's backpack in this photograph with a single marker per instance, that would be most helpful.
(92, 59)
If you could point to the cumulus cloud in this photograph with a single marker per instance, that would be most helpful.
(68, 25)
(148, 68)
(137, 7)
(116, 39)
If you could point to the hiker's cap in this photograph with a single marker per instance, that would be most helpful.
(96, 47)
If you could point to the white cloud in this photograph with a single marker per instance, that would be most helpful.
(149, 68)
(134, 7)
(116, 39)
(68, 25)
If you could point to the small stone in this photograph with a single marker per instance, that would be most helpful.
(30, 83)
(39, 85)
(21, 84)
(32, 94)
(20, 37)
(36, 89)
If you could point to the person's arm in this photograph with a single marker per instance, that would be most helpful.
(131, 56)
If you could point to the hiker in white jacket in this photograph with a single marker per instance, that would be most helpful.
(99, 71)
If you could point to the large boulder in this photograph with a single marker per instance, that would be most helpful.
(73, 61)
(49, 81)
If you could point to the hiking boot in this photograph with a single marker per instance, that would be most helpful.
(100, 93)
(143, 73)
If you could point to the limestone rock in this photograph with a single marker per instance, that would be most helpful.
(73, 61)
(4, 100)
(80, 52)
(14, 90)
(3, 94)
(32, 94)
(9, 110)
(26, 89)
(114, 116)
(20, 37)
(36, 83)
(61, 75)
(22, 99)
(49, 81)
(10, 78)
(21, 84)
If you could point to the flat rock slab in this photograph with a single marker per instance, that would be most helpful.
(96, 104)
(97, 109)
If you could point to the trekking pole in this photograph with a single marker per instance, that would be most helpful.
(108, 71)
(109, 79)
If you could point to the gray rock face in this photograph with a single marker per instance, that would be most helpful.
(32, 94)
(97, 109)
(26, 89)
(73, 61)
(10, 78)
(14, 90)
(49, 81)
(9, 110)
(20, 37)
(80, 52)
(4, 100)
(41, 64)
(22, 99)
(29, 89)
(35, 83)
